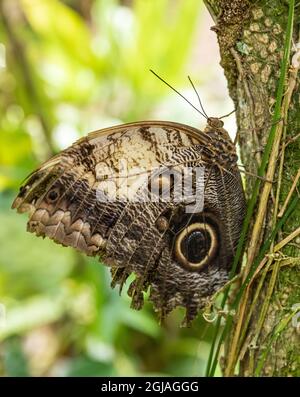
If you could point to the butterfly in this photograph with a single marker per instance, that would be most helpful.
(161, 200)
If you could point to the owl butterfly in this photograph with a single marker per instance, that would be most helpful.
(158, 199)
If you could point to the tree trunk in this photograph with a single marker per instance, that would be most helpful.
(264, 339)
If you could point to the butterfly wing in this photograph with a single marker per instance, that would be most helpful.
(149, 198)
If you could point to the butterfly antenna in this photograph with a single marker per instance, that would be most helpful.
(198, 96)
(177, 92)
(228, 114)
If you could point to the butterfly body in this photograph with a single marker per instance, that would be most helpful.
(129, 194)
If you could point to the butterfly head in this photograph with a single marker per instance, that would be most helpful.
(215, 123)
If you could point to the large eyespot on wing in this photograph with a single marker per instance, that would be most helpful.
(193, 265)
(196, 246)
(196, 243)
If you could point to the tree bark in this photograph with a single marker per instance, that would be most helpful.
(251, 36)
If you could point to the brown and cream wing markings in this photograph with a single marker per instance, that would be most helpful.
(86, 197)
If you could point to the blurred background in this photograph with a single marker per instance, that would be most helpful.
(66, 68)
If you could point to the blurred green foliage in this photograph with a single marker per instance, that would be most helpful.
(68, 67)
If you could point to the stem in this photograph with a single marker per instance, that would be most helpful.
(26, 73)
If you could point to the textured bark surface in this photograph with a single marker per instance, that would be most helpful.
(251, 38)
